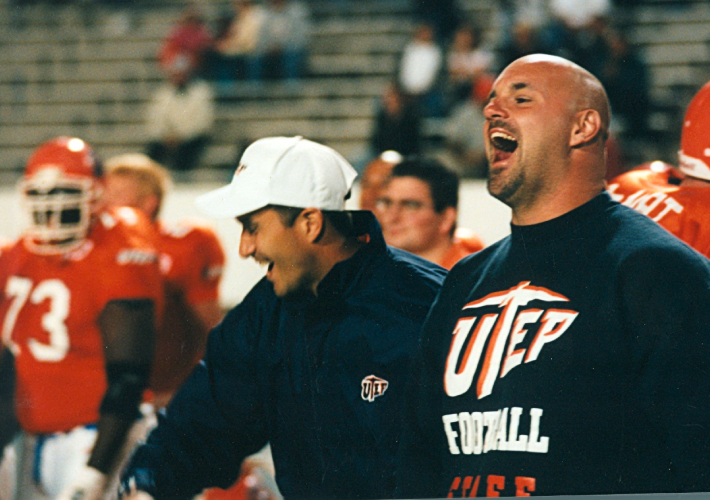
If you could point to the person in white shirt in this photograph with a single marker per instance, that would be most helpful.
(180, 116)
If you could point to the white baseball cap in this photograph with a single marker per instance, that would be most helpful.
(285, 171)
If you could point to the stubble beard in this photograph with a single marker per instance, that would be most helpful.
(504, 188)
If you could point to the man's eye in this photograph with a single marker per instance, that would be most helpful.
(520, 100)
(411, 205)
(383, 203)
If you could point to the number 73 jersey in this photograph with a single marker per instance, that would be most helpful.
(49, 312)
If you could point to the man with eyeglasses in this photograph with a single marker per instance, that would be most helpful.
(418, 211)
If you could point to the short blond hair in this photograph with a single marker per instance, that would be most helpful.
(152, 178)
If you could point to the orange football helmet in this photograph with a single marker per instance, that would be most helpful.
(58, 190)
(694, 154)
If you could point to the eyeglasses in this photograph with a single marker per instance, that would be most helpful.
(405, 205)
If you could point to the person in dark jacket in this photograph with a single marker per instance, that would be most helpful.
(315, 359)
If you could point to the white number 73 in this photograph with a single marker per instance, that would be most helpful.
(18, 289)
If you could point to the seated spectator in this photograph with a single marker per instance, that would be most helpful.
(418, 211)
(397, 124)
(466, 61)
(284, 41)
(625, 77)
(443, 15)
(374, 177)
(525, 39)
(420, 71)
(190, 38)
(234, 53)
(464, 136)
(179, 117)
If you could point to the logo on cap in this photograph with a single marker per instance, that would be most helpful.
(240, 169)
(373, 387)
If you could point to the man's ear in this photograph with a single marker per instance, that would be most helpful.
(151, 205)
(448, 220)
(586, 126)
(311, 224)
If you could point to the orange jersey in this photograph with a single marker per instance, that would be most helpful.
(50, 307)
(191, 260)
(684, 211)
(465, 243)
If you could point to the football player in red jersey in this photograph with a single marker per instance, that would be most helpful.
(191, 261)
(678, 199)
(80, 291)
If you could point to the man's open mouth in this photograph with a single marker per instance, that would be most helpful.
(504, 142)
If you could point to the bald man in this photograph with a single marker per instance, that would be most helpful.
(572, 357)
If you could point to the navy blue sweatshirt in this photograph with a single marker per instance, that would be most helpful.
(570, 358)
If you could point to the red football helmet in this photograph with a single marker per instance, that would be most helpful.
(694, 154)
(59, 189)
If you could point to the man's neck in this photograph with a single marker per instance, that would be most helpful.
(333, 254)
(548, 208)
(437, 252)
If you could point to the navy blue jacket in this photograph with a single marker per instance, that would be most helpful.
(321, 379)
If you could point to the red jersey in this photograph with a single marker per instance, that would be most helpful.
(50, 307)
(682, 210)
(191, 261)
(465, 243)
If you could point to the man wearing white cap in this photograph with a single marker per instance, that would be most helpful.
(315, 359)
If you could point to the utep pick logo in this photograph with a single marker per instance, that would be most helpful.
(494, 332)
(241, 168)
(373, 387)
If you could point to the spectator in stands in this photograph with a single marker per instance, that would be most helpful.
(463, 135)
(626, 79)
(283, 46)
(235, 49)
(444, 16)
(374, 177)
(191, 262)
(397, 123)
(420, 70)
(180, 116)
(466, 61)
(190, 38)
(525, 39)
(572, 25)
(418, 209)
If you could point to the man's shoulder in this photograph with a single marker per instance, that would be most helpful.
(666, 179)
(635, 238)
(190, 231)
(126, 233)
(406, 265)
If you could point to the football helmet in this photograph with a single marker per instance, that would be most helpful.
(694, 154)
(58, 190)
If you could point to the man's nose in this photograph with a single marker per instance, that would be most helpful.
(494, 109)
(246, 244)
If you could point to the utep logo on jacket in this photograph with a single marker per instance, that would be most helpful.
(492, 340)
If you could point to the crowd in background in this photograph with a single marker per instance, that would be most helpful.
(435, 95)
(444, 72)
(447, 68)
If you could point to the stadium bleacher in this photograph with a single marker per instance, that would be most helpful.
(71, 69)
